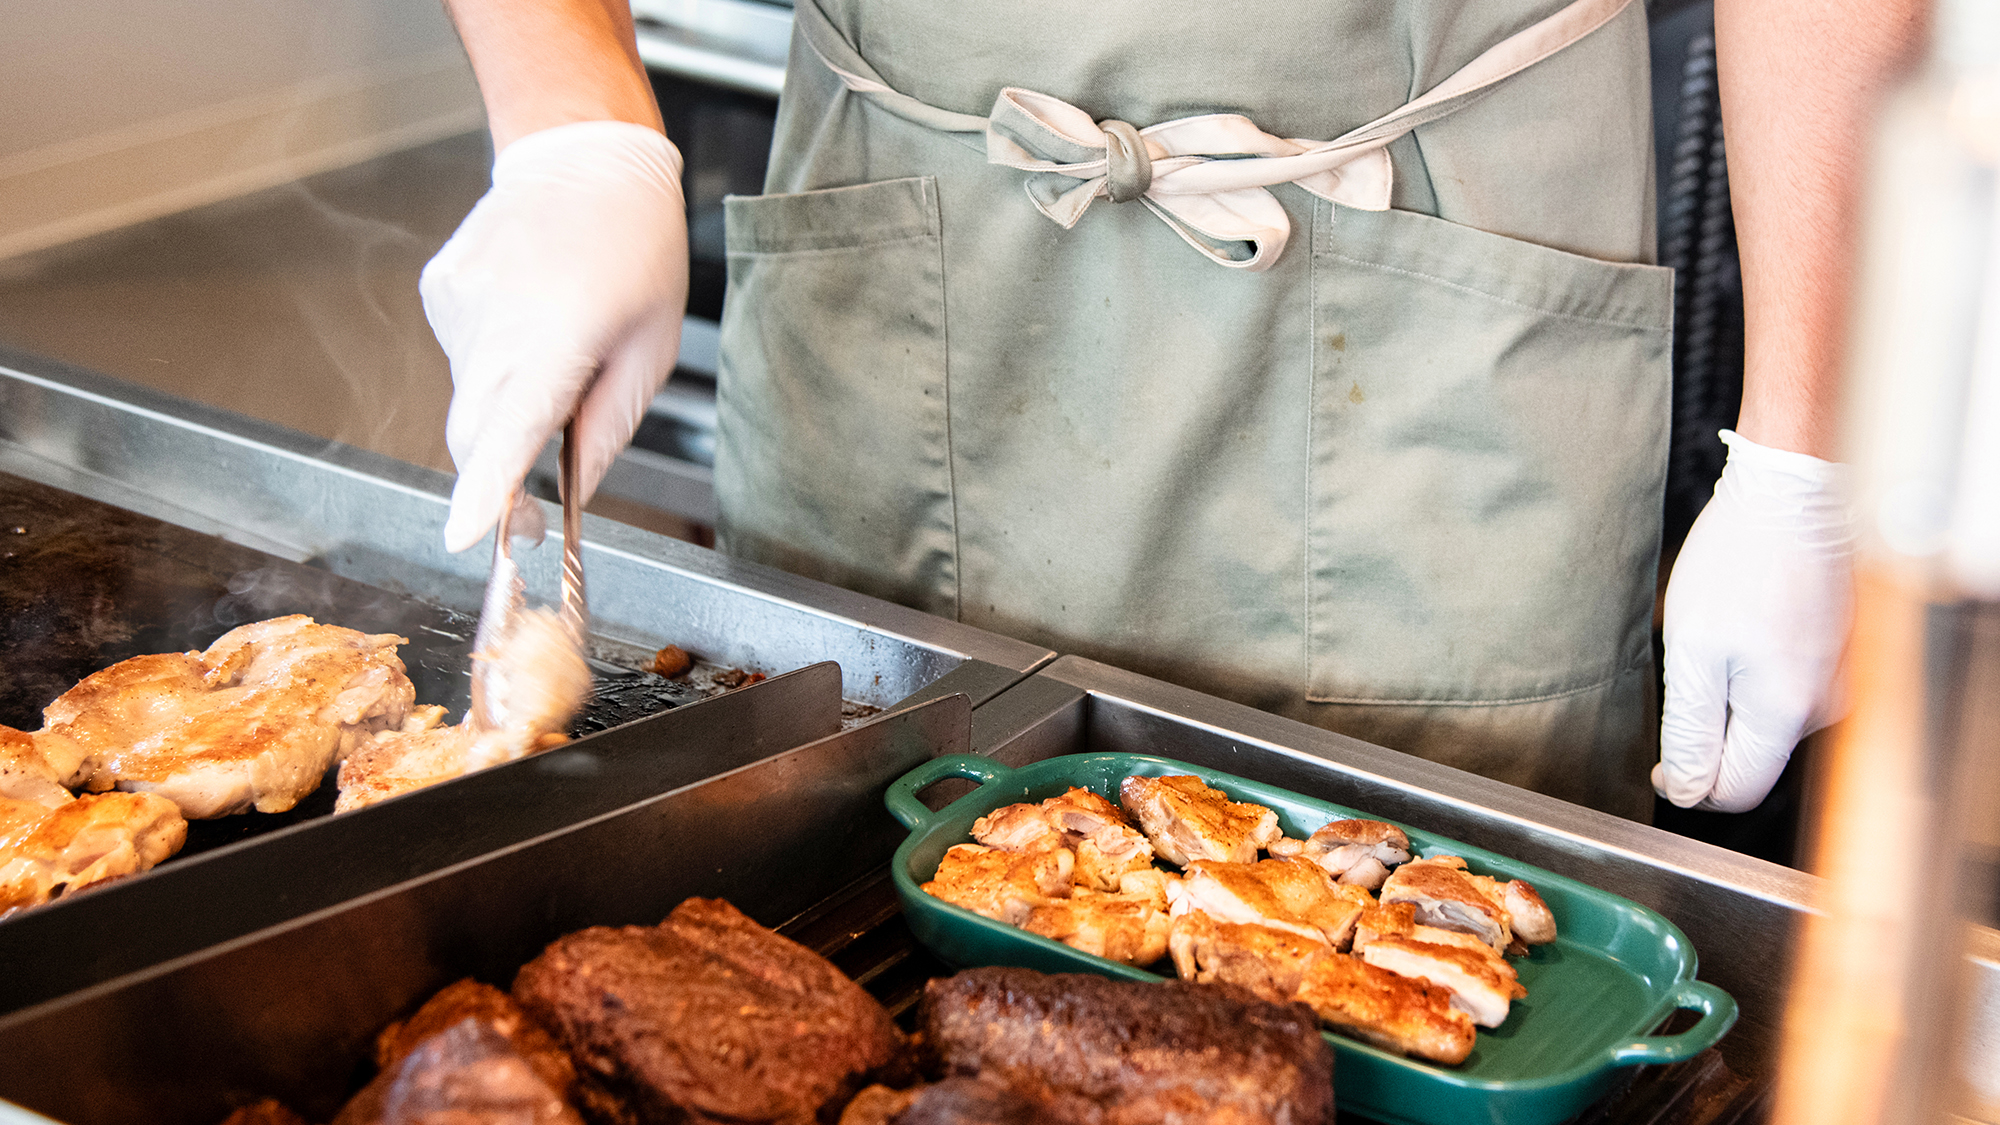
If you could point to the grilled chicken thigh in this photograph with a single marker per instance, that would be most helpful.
(25, 774)
(1294, 895)
(1126, 928)
(1269, 962)
(47, 852)
(1017, 828)
(1187, 820)
(1105, 844)
(253, 721)
(545, 683)
(1003, 886)
(1360, 852)
(1399, 919)
(1401, 1013)
(1481, 982)
(1447, 897)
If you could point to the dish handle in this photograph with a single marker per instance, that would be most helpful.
(1718, 1014)
(902, 795)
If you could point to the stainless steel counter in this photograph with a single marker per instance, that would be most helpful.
(380, 521)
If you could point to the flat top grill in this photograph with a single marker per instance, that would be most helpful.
(84, 585)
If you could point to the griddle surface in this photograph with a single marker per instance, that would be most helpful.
(85, 584)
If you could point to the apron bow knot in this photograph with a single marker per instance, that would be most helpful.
(1206, 177)
(1129, 169)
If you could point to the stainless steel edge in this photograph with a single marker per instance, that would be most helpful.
(219, 895)
(291, 1011)
(1738, 912)
(731, 43)
(380, 521)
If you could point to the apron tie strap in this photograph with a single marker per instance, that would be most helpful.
(1129, 167)
(1206, 177)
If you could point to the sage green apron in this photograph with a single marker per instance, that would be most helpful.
(1379, 447)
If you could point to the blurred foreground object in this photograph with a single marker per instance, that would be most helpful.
(1895, 1003)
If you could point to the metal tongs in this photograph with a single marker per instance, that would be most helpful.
(506, 593)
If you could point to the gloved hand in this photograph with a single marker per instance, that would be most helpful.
(1757, 614)
(560, 294)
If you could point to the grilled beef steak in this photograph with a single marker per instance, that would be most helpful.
(1119, 1052)
(707, 1017)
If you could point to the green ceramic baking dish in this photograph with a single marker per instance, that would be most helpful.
(1614, 974)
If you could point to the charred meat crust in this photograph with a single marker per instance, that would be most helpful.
(1168, 1052)
(706, 1017)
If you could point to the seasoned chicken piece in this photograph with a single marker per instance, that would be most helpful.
(1360, 852)
(1447, 897)
(1003, 886)
(1294, 895)
(1017, 828)
(534, 685)
(1124, 928)
(421, 753)
(1186, 820)
(253, 721)
(1150, 882)
(1399, 919)
(1271, 963)
(25, 774)
(1533, 923)
(1391, 1011)
(1481, 982)
(47, 852)
(1106, 844)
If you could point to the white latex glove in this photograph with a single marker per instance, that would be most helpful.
(560, 294)
(1757, 614)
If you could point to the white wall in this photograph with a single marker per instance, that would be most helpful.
(117, 111)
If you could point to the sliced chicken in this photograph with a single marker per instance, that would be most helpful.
(1123, 928)
(1448, 897)
(1017, 828)
(1271, 963)
(1106, 844)
(1396, 1012)
(1294, 895)
(48, 852)
(547, 682)
(1003, 886)
(1360, 852)
(1187, 820)
(1481, 982)
(253, 721)
(1150, 882)
(1533, 922)
(1399, 919)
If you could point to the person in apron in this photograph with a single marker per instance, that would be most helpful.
(1306, 353)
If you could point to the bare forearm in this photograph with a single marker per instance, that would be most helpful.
(543, 63)
(1800, 80)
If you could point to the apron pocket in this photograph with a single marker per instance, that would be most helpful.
(832, 456)
(1488, 450)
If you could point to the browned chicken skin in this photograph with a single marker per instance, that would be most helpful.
(1481, 982)
(1271, 963)
(47, 852)
(1294, 895)
(1187, 820)
(1402, 1014)
(1003, 886)
(536, 683)
(253, 721)
(1128, 929)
